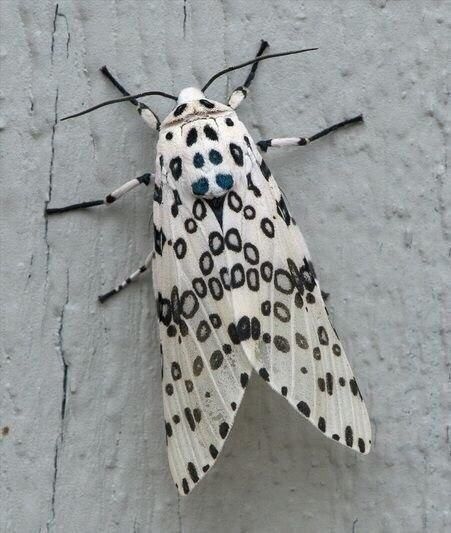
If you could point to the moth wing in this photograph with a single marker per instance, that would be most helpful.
(204, 376)
(298, 352)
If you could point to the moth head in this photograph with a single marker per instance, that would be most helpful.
(189, 94)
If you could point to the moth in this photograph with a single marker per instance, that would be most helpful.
(235, 286)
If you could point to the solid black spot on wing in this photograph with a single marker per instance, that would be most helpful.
(189, 418)
(160, 240)
(255, 328)
(213, 451)
(329, 383)
(243, 328)
(321, 424)
(223, 429)
(191, 138)
(189, 385)
(229, 121)
(210, 133)
(197, 413)
(354, 387)
(193, 472)
(304, 408)
(349, 436)
(361, 444)
(168, 429)
(342, 381)
(336, 437)
(244, 378)
(321, 384)
(266, 338)
(158, 194)
(169, 135)
(233, 406)
(304, 370)
(266, 308)
(185, 486)
(169, 389)
(264, 374)
(265, 170)
(205, 468)
(176, 419)
(282, 209)
(284, 391)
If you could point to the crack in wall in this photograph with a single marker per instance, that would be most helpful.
(60, 438)
(184, 18)
(50, 185)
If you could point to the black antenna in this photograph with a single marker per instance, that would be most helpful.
(255, 60)
(123, 99)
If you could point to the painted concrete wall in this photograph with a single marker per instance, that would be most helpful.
(81, 430)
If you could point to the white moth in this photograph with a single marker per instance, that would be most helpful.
(235, 286)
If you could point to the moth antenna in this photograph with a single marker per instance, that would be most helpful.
(250, 62)
(123, 99)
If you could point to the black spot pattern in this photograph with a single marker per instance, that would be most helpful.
(206, 103)
(176, 167)
(233, 240)
(210, 133)
(264, 374)
(216, 359)
(349, 436)
(175, 371)
(216, 243)
(237, 154)
(234, 201)
(191, 138)
(303, 408)
(322, 424)
(281, 343)
(193, 472)
(190, 419)
(223, 429)
(198, 366)
(179, 110)
(267, 227)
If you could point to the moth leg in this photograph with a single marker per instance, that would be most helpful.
(149, 117)
(109, 199)
(302, 141)
(132, 277)
(240, 93)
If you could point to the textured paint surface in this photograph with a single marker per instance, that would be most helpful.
(81, 429)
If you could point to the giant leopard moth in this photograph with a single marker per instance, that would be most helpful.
(235, 287)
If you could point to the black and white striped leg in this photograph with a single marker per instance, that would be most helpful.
(149, 117)
(240, 93)
(302, 141)
(109, 199)
(132, 277)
